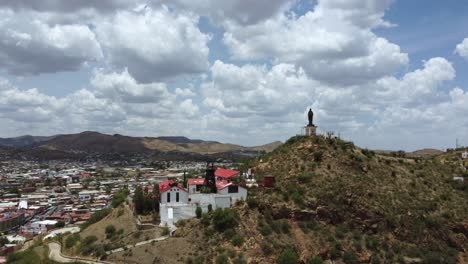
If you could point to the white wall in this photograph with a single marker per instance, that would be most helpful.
(183, 196)
(192, 188)
(180, 211)
(241, 194)
(185, 209)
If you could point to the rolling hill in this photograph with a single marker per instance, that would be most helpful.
(336, 202)
(90, 142)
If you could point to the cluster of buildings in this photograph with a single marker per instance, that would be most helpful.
(217, 189)
(38, 200)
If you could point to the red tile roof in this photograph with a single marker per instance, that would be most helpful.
(196, 181)
(222, 184)
(168, 184)
(225, 173)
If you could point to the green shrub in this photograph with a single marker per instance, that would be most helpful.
(288, 256)
(368, 153)
(239, 260)
(335, 253)
(119, 197)
(375, 259)
(265, 229)
(304, 177)
(229, 233)
(71, 240)
(110, 231)
(285, 227)
(340, 231)
(237, 240)
(350, 258)
(222, 259)
(318, 156)
(24, 257)
(89, 240)
(165, 231)
(198, 212)
(266, 248)
(60, 224)
(372, 243)
(205, 219)
(225, 218)
(210, 208)
(252, 202)
(297, 198)
(315, 260)
(96, 217)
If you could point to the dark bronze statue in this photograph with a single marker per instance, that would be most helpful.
(311, 117)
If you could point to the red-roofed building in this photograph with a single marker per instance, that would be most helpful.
(222, 184)
(223, 174)
(177, 203)
(194, 184)
(172, 192)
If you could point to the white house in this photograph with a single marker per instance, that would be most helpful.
(464, 155)
(38, 227)
(88, 195)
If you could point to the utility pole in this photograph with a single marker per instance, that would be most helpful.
(456, 144)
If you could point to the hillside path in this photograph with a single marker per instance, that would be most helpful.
(55, 254)
(137, 244)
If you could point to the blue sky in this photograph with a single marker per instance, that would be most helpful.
(385, 74)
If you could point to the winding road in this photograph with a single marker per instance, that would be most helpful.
(55, 254)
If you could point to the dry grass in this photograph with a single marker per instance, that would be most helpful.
(126, 221)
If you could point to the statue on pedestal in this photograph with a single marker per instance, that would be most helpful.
(311, 118)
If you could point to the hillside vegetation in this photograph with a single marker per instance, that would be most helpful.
(335, 201)
(379, 207)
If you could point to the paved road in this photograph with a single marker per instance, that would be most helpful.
(54, 254)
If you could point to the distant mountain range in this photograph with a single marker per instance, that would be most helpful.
(23, 141)
(90, 142)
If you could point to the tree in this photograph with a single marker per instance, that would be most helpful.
(60, 224)
(110, 231)
(225, 218)
(156, 198)
(198, 212)
(119, 197)
(315, 260)
(288, 256)
(139, 200)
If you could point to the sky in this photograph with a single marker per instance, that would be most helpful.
(386, 74)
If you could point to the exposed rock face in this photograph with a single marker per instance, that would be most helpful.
(329, 215)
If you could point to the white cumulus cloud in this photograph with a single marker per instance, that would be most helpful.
(462, 48)
(31, 46)
(154, 44)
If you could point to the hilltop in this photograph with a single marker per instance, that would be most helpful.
(408, 207)
(335, 201)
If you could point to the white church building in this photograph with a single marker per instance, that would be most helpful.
(177, 202)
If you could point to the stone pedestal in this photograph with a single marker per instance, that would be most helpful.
(310, 130)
